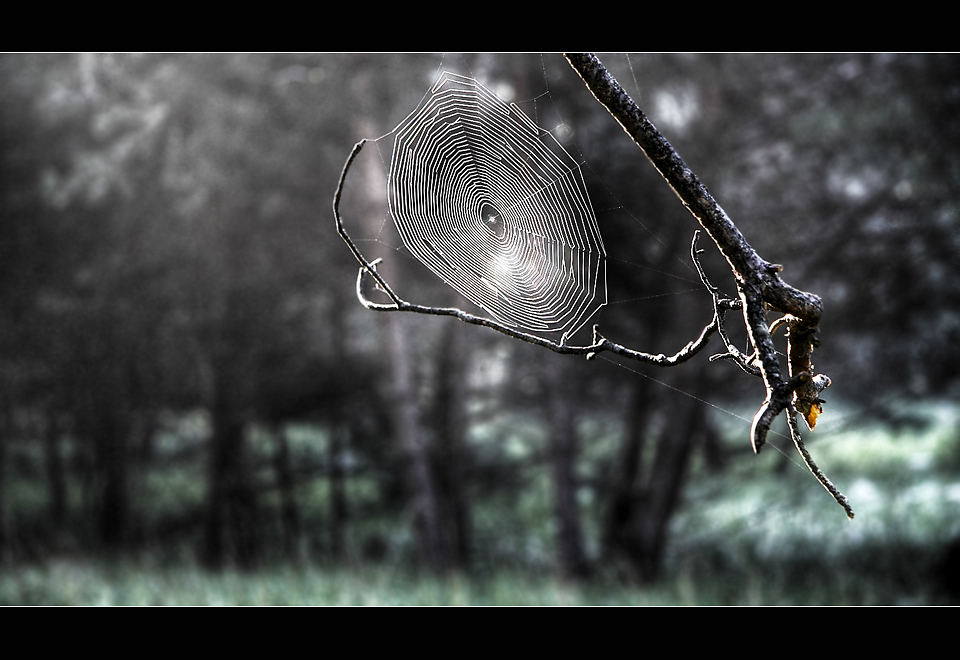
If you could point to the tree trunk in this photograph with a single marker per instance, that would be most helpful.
(53, 466)
(289, 511)
(103, 419)
(451, 455)
(639, 522)
(339, 439)
(628, 475)
(113, 516)
(410, 431)
(232, 521)
(5, 432)
(562, 407)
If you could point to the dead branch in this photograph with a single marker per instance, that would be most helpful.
(758, 281)
(759, 286)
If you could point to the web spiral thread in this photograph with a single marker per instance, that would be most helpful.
(494, 206)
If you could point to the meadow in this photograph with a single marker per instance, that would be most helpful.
(776, 538)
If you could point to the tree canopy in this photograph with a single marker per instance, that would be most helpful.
(176, 301)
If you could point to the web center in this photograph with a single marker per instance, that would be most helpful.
(492, 220)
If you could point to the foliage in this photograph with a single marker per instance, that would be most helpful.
(171, 283)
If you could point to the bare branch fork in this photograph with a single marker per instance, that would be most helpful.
(758, 283)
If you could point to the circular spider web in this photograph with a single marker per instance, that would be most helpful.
(497, 208)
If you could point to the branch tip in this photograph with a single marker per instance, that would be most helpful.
(814, 469)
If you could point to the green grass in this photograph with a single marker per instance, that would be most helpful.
(68, 582)
(91, 583)
(761, 532)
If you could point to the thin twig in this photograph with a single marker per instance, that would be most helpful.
(366, 265)
(733, 353)
(812, 466)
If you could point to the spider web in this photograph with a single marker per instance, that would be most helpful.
(496, 207)
(454, 159)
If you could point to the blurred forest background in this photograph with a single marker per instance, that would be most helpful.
(187, 381)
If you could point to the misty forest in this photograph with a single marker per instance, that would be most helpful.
(208, 394)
